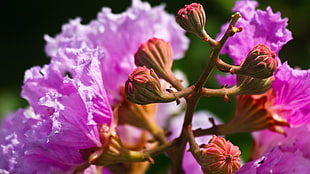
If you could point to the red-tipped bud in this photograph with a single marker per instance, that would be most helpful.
(192, 18)
(261, 63)
(219, 156)
(155, 54)
(143, 87)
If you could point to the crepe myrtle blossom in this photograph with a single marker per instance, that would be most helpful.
(290, 154)
(67, 97)
(67, 116)
(258, 27)
(118, 36)
(288, 99)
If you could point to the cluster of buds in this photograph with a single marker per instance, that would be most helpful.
(254, 76)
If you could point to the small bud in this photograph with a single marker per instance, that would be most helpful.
(219, 156)
(143, 87)
(155, 54)
(250, 85)
(192, 18)
(261, 63)
(252, 115)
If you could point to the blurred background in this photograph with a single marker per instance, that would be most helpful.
(23, 24)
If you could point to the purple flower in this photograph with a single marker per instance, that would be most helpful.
(290, 154)
(259, 27)
(69, 112)
(118, 36)
(292, 95)
(289, 100)
(68, 97)
(12, 137)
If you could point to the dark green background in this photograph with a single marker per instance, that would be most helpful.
(23, 24)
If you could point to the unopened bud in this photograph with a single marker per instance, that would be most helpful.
(250, 85)
(192, 18)
(143, 87)
(155, 54)
(261, 63)
(219, 156)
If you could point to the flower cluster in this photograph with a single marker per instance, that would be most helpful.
(102, 103)
(287, 100)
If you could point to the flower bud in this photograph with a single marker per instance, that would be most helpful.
(155, 54)
(219, 156)
(250, 85)
(143, 87)
(261, 63)
(192, 18)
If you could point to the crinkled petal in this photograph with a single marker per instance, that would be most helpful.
(12, 137)
(278, 161)
(246, 8)
(258, 27)
(291, 87)
(118, 36)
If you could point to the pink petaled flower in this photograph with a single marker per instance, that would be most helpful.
(66, 118)
(290, 154)
(259, 27)
(220, 156)
(289, 99)
(68, 98)
(118, 36)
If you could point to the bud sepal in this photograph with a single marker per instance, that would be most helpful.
(250, 86)
(252, 115)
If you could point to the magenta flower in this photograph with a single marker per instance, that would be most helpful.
(290, 154)
(119, 37)
(258, 27)
(68, 97)
(289, 100)
(12, 137)
(292, 94)
(68, 114)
